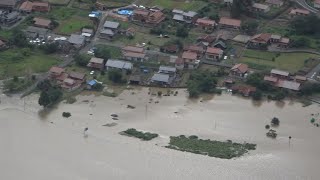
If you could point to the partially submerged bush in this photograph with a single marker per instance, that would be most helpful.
(66, 114)
(275, 121)
(138, 134)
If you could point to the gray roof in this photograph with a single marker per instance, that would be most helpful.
(177, 11)
(12, 15)
(76, 39)
(279, 72)
(8, 2)
(190, 13)
(178, 17)
(289, 85)
(36, 30)
(158, 77)
(275, 36)
(167, 68)
(114, 63)
(107, 32)
(111, 25)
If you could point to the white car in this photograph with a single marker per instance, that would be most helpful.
(90, 53)
(92, 72)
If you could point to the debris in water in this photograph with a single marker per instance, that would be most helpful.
(110, 124)
(131, 107)
(115, 118)
(114, 115)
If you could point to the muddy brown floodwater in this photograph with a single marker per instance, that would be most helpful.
(41, 145)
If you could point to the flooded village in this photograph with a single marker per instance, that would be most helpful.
(123, 89)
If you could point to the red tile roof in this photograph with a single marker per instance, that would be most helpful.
(204, 21)
(133, 49)
(270, 79)
(299, 11)
(41, 22)
(77, 75)
(189, 55)
(212, 50)
(264, 37)
(26, 6)
(230, 22)
(179, 61)
(57, 70)
(243, 68)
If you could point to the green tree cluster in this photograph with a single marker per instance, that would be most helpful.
(201, 82)
(115, 76)
(49, 94)
(82, 59)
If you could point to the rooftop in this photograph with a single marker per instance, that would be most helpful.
(230, 22)
(133, 49)
(56, 69)
(111, 25)
(289, 85)
(160, 77)
(206, 21)
(96, 60)
(76, 39)
(114, 63)
(167, 68)
(260, 6)
(189, 55)
(279, 72)
(213, 50)
(42, 22)
(243, 68)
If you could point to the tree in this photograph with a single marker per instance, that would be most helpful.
(300, 42)
(18, 38)
(306, 25)
(254, 79)
(82, 59)
(257, 95)
(201, 81)
(115, 75)
(182, 31)
(44, 99)
(54, 94)
(50, 48)
(250, 27)
(102, 52)
(275, 121)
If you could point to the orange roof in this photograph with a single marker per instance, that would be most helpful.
(141, 12)
(43, 4)
(206, 21)
(189, 55)
(264, 37)
(134, 54)
(230, 22)
(300, 11)
(285, 40)
(243, 68)
(270, 78)
(212, 50)
(42, 22)
(26, 6)
(56, 69)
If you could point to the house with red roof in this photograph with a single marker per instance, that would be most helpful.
(229, 23)
(96, 63)
(214, 54)
(299, 12)
(190, 60)
(148, 16)
(206, 24)
(239, 70)
(35, 6)
(316, 3)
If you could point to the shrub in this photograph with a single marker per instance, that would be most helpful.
(66, 114)
(267, 126)
(275, 121)
(138, 134)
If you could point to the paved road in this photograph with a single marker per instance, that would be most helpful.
(312, 75)
(305, 5)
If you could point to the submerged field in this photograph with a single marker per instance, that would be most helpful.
(179, 4)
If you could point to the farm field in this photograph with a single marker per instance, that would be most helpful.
(267, 60)
(170, 4)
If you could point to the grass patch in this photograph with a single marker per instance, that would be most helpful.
(115, 52)
(109, 94)
(287, 61)
(147, 136)
(224, 150)
(20, 62)
(194, 5)
(58, 2)
(16, 84)
(73, 24)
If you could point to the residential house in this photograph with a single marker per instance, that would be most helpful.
(214, 54)
(284, 42)
(160, 79)
(77, 40)
(259, 41)
(260, 7)
(275, 38)
(299, 12)
(275, 3)
(135, 79)
(280, 74)
(148, 16)
(79, 77)
(87, 32)
(205, 40)
(170, 48)
(196, 49)
(96, 63)
(220, 45)
(55, 71)
(42, 23)
(35, 6)
(206, 23)
(179, 64)
(239, 70)
(118, 64)
(300, 79)
(134, 53)
(168, 70)
(2, 44)
(9, 18)
(181, 16)
(36, 32)
(243, 90)
(316, 3)
(229, 23)
(110, 29)
(291, 85)
(228, 2)
(7, 4)
(190, 60)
